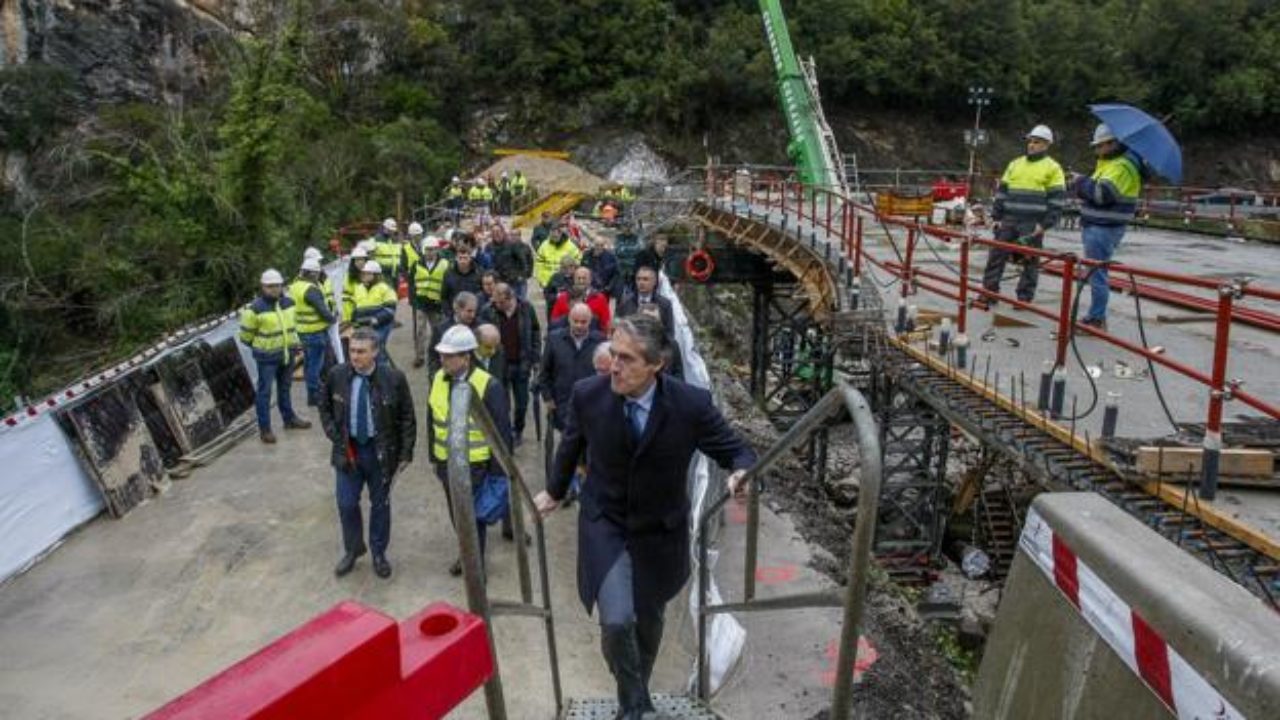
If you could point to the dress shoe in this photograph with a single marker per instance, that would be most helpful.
(347, 562)
(268, 437)
(381, 567)
(456, 568)
(297, 424)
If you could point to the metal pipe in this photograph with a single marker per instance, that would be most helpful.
(468, 540)
(517, 490)
(962, 313)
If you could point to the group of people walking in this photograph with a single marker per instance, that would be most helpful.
(607, 370)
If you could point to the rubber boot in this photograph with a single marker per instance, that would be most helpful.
(649, 637)
(622, 653)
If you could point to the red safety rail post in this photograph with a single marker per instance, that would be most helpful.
(1064, 311)
(350, 662)
(813, 206)
(962, 313)
(1218, 394)
(828, 197)
(846, 229)
(907, 266)
(857, 244)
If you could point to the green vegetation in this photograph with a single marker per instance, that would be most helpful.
(139, 218)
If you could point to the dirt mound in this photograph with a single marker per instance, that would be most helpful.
(547, 174)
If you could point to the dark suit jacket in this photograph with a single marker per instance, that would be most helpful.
(393, 416)
(635, 496)
(563, 365)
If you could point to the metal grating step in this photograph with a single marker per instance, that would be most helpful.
(681, 707)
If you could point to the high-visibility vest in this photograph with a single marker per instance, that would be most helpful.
(350, 290)
(480, 193)
(428, 283)
(308, 318)
(387, 253)
(547, 260)
(456, 192)
(269, 327)
(477, 448)
(1031, 188)
(1120, 175)
(369, 300)
(519, 184)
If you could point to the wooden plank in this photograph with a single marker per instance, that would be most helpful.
(1205, 510)
(1243, 462)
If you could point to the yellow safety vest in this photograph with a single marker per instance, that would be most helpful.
(519, 183)
(456, 191)
(269, 328)
(309, 320)
(477, 448)
(1032, 188)
(1123, 176)
(547, 260)
(372, 298)
(387, 253)
(428, 283)
(480, 193)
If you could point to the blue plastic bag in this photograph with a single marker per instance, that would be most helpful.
(490, 499)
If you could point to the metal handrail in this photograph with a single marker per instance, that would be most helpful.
(466, 405)
(842, 396)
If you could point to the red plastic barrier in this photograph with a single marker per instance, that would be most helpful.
(351, 662)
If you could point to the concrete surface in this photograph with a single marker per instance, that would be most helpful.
(128, 614)
(1064, 669)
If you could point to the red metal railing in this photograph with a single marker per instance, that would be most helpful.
(844, 222)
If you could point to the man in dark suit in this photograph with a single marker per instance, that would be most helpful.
(638, 430)
(566, 360)
(645, 298)
(366, 411)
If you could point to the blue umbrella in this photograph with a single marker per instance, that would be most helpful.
(1144, 135)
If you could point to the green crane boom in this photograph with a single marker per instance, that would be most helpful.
(812, 147)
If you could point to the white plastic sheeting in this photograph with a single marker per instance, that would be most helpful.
(44, 492)
(725, 635)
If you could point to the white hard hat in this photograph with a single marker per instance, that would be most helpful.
(457, 339)
(455, 179)
(371, 267)
(1042, 132)
(310, 265)
(272, 277)
(390, 225)
(504, 173)
(1101, 134)
(311, 253)
(431, 242)
(359, 252)
(415, 229)
(480, 181)
(368, 244)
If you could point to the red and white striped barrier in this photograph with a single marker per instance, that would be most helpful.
(1184, 690)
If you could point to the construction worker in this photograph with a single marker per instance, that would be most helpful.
(455, 196)
(480, 197)
(1028, 202)
(426, 286)
(366, 411)
(504, 194)
(455, 349)
(1109, 199)
(519, 185)
(351, 287)
(548, 257)
(465, 311)
(268, 326)
(542, 231)
(409, 250)
(386, 250)
(314, 314)
(314, 254)
(375, 306)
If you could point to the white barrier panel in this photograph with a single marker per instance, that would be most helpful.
(44, 493)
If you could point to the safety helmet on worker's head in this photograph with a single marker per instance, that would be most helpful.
(369, 244)
(431, 242)
(481, 182)
(371, 267)
(456, 340)
(312, 253)
(415, 229)
(359, 252)
(1102, 134)
(272, 277)
(310, 265)
(1041, 132)
(455, 179)
(390, 225)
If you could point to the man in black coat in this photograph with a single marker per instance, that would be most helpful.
(521, 347)
(638, 430)
(463, 276)
(512, 260)
(366, 411)
(646, 298)
(566, 360)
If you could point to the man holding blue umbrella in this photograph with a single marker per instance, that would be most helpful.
(1109, 199)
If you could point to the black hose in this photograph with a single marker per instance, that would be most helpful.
(1151, 366)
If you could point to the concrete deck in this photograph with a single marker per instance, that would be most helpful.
(129, 613)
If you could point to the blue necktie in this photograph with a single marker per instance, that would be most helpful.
(362, 413)
(632, 409)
